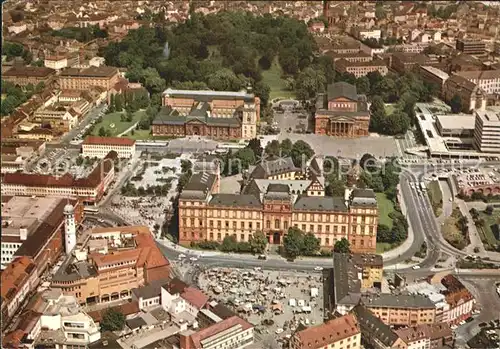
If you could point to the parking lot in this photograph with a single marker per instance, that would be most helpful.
(275, 302)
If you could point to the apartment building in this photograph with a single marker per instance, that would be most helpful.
(487, 80)
(89, 189)
(205, 214)
(470, 94)
(19, 280)
(232, 332)
(85, 79)
(401, 310)
(434, 76)
(56, 62)
(60, 118)
(16, 153)
(215, 114)
(432, 336)
(341, 112)
(371, 266)
(109, 262)
(178, 297)
(471, 46)
(404, 62)
(458, 297)
(99, 147)
(487, 131)
(374, 332)
(24, 75)
(359, 69)
(340, 333)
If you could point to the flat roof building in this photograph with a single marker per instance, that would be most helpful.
(99, 147)
(487, 131)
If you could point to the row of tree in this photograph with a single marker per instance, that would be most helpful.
(223, 51)
(83, 34)
(13, 96)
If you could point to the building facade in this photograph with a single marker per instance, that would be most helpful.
(22, 75)
(110, 263)
(487, 131)
(214, 114)
(85, 79)
(434, 76)
(89, 189)
(471, 96)
(340, 333)
(342, 112)
(471, 46)
(99, 147)
(487, 80)
(207, 215)
(19, 280)
(359, 69)
(401, 310)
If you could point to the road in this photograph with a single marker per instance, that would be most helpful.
(484, 291)
(92, 115)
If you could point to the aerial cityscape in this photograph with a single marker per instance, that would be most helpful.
(206, 174)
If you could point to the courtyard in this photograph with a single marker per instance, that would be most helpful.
(114, 123)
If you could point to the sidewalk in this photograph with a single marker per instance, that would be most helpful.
(406, 245)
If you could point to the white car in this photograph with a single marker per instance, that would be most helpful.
(318, 268)
(416, 267)
(181, 256)
(193, 259)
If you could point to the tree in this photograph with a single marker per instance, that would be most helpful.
(224, 80)
(342, 246)
(489, 210)
(272, 148)
(112, 320)
(286, 147)
(384, 233)
(309, 83)
(379, 11)
(335, 187)
(378, 116)
(293, 242)
(456, 104)
(246, 158)
(301, 152)
(256, 147)
(258, 242)
(229, 244)
(311, 244)
(363, 85)
(118, 103)
(102, 132)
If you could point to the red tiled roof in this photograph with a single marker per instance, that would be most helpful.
(328, 333)
(15, 276)
(210, 331)
(195, 297)
(108, 140)
(126, 309)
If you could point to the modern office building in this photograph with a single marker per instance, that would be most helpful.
(471, 46)
(487, 131)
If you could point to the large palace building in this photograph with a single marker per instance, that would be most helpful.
(342, 112)
(214, 114)
(273, 206)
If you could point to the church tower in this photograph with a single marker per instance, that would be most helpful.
(69, 228)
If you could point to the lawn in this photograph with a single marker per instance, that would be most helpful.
(486, 232)
(436, 197)
(114, 123)
(385, 207)
(273, 78)
(383, 247)
(389, 109)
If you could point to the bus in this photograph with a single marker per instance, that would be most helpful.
(91, 210)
